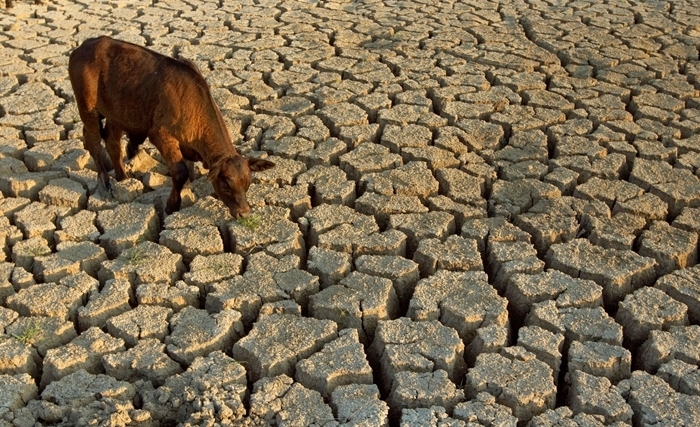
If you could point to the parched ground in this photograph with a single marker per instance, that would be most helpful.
(484, 213)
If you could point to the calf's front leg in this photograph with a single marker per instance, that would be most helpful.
(169, 148)
(91, 142)
(180, 174)
(113, 143)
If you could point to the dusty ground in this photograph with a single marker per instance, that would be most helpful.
(483, 213)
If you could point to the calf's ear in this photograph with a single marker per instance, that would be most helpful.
(259, 165)
(213, 173)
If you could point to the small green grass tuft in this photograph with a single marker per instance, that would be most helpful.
(29, 334)
(136, 255)
(38, 251)
(250, 221)
(220, 267)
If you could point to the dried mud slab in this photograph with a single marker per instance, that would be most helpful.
(479, 214)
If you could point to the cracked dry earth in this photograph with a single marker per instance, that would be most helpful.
(484, 213)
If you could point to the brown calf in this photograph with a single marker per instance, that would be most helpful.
(148, 95)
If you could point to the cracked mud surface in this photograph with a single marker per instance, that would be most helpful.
(483, 213)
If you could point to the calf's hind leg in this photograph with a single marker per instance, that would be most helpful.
(135, 140)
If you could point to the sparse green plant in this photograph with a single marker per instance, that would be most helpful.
(136, 255)
(29, 333)
(220, 267)
(37, 251)
(250, 221)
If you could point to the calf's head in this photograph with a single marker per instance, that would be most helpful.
(231, 179)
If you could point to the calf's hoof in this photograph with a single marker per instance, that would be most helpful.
(171, 207)
(104, 185)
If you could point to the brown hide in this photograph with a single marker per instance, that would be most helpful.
(148, 95)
